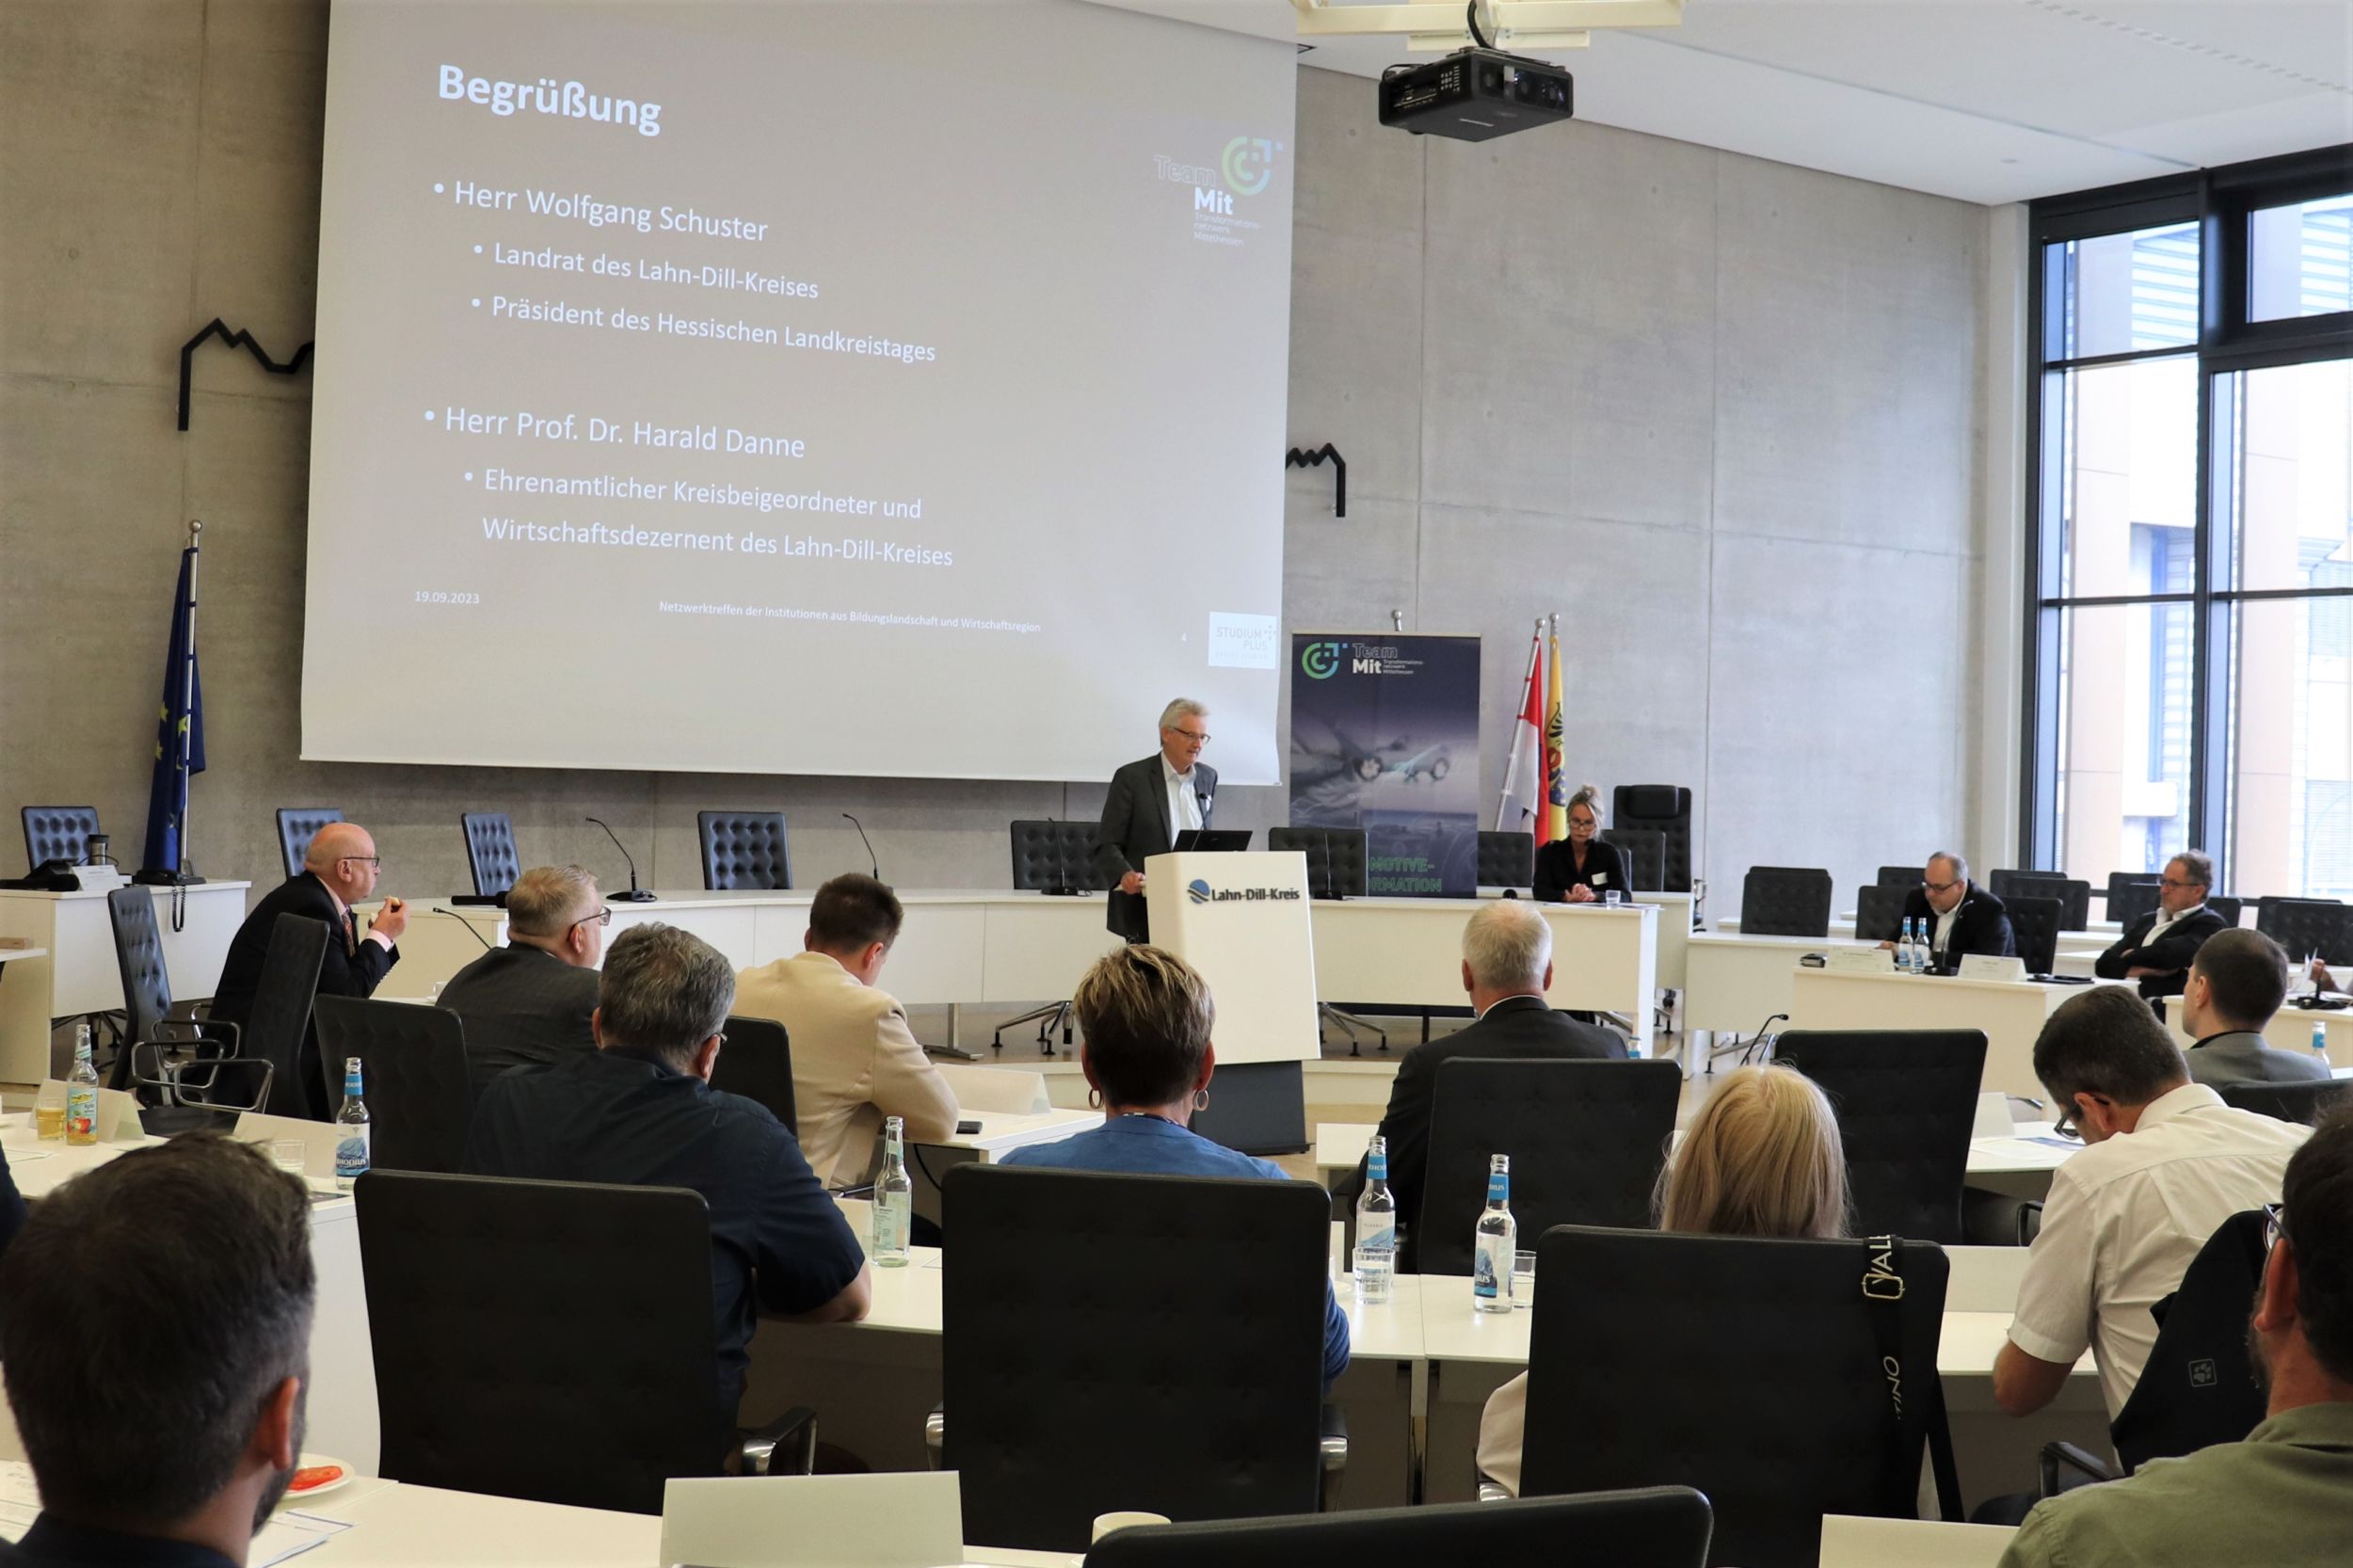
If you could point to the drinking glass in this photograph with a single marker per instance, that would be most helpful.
(1523, 1280)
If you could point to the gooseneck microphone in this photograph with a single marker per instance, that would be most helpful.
(461, 920)
(871, 861)
(635, 894)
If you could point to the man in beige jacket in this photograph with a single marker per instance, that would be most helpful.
(854, 1060)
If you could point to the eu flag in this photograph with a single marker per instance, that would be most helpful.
(181, 716)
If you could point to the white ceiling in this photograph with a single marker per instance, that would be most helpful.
(1984, 99)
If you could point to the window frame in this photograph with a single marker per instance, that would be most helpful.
(2222, 202)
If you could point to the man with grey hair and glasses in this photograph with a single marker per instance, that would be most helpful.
(2160, 947)
(1962, 918)
(528, 1004)
(1150, 801)
(1507, 969)
(640, 1111)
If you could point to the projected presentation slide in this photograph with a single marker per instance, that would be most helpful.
(888, 388)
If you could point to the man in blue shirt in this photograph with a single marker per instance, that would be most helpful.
(1146, 1016)
(640, 1111)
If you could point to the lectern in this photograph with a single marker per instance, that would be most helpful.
(1242, 920)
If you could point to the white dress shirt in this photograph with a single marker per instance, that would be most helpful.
(2164, 920)
(1184, 807)
(2125, 1217)
(1945, 928)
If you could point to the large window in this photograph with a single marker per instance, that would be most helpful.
(2191, 636)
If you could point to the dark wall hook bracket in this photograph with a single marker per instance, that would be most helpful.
(1294, 458)
(239, 339)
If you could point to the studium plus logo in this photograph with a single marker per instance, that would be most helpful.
(1249, 164)
(1322, 660)
(1197, 890)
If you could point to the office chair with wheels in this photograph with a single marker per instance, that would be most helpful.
(1645, 857)
(1121, 1407)
(1779, 1407)
(491, 853)
(278, 1022)
(296, 827)
(1879, 912)
(1903, 878)
(1785, 900)
(1507, 860)
(189, 1067)
(2131, 895)
(412, 1064)
(757, 1064)
(744, 849)
(1337, 869)
(1667, 810)
(58, 833)
(2034, 928)
(549, 1340)
(1652, 1526)
(2304, 1102)
(1585, 1139)
(1907, 1102)
(2074, 893)
(1056, 858)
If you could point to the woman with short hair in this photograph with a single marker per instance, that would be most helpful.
(1763, 1158)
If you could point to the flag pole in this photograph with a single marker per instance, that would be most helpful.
(1535, 658)
(187, 705)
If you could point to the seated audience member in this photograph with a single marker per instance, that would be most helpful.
(2157, 949)
(338, 871)
(1507, 969)
(854, 1060)
(528, 1003)
(2164, 1162)
(640, 1111)
(1763, 1158)
(1581, 869)
(2236, 983)
(11, 1205)
(156, 1338)
(1146, 1016)
(1962, 919)
(2279, 1497)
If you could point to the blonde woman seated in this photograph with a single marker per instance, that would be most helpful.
(1763, 1158)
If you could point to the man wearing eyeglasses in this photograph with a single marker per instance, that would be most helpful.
(2279, 1496)
(528, 1003)
(1962, 918)
(338, 870)
(1150, 803)
(2158, 949)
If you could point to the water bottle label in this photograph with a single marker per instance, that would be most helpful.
(1376, 1167)
(81, 1111)
(890, 1227)
(1498, 1188)
(1376, 1232)
(351, 1154)
(1486, 1280)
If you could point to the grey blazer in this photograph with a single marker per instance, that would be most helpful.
(2240, 1057)
(1136, 828)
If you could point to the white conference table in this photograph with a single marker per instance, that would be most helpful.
(80, 975)
(24, 1016)
(341, 1397)
(2010, 1011)
(1472, 1353)
(1003, 948)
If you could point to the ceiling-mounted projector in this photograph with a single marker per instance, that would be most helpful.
(1476, 95)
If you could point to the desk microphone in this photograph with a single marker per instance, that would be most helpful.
(871, 861)
(469, 930)
(635, 894)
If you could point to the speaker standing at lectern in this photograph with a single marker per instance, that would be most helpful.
(1150, 803)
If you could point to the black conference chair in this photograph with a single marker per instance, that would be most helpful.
(188, 1067)
(412, 1066)
(1507, 859)
(2198, 1388)
(1337, 869)
(744, 849)
(1645, 857)
(1779, 1408)
(1051, 857)
(2305, 1102)
(2074, 893)
(548, 1340)
(1585, 1139)
(278, 1020)
(1651, 1526)
(58, 833)
(2131, 895)
(1667, 810)
(1907, 1101)
(757, 1064)
(296, 827)
(1785, 900)
(2034, 928)
(2308, 926)
(491, 853)
(1901, 878)
(2230, 908)
(1127, 1404)
(1878, 911)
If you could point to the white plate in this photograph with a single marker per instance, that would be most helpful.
(310, 1462)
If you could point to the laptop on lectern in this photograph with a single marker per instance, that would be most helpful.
(1195, 840)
